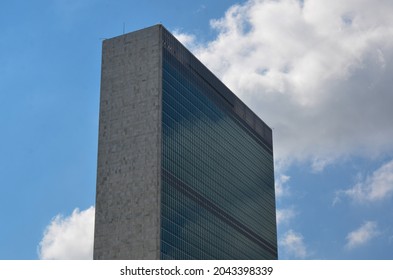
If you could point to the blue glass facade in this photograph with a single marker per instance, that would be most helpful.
(217, 179)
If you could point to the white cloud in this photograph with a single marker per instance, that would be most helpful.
(69, 238)
(318, 72)
(186, 39)
(374, 188)
(281, 185)
(362, 235)
(292, 244)
(284, 215)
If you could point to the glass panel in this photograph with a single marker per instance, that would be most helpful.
(217, 174)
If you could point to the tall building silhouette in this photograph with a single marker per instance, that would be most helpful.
(185, 168)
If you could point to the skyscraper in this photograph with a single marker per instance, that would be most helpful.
(185, 168)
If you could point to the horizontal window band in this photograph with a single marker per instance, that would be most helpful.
(217, 211)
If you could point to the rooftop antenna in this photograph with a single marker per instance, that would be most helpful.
(124, 28)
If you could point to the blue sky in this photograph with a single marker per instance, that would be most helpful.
(318, 72)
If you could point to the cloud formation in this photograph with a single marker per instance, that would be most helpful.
(374, 188)
(284, 215)
(362, 235)
(69, 238)
(280, 185)
(189, 40)
(318, 72)
(292, 244)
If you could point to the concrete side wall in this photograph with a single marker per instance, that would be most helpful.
(127, 224)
